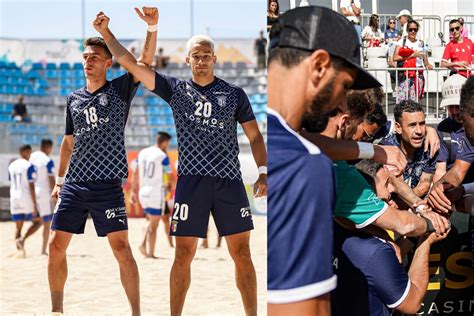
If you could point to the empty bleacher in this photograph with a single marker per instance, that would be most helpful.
(46, 86)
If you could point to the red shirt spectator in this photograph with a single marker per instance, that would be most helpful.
(459, 51)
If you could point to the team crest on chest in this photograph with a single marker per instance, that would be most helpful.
(221, 100)
(103, 99)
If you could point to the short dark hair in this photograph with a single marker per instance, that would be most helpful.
(466, 104)
(408, 106)
(98, 41)
(45, 142)
(377, 116)
(362, 102)
(369, 167)
(162, 137)
(454, 21)
(24, 148)
(411, 21)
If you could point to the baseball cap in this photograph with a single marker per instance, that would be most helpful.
(451, 90)
(314, 27)
(404, 12)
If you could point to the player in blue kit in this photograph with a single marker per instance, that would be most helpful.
(93, 153)
(371, 281)
(206, 110)
(318, 72)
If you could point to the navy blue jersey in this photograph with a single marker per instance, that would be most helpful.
(461, 149)
(301, 199)
(206, 124)
(370, 280)
(97, 121)
(414, 169)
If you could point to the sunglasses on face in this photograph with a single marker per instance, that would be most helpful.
(457, 28)
(393, 22)
(412, 30)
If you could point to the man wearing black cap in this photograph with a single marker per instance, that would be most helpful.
(317, 73)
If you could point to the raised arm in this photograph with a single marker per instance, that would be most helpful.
(150, 16)
(122, 55)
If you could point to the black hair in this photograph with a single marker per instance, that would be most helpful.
(454, 21)
(162, 136)
(466, 104)
(377, 116)
(24, 148)
(98, 41)
(373, 20)
(411, 21)
(408, 106)
(45, 142)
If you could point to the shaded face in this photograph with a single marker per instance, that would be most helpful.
(412, 128)
(95, 62)
(403, 19)
(468, 122)
(273, 7)
(391, 24)
(201, 58)
(25, 154)
(365, 132)
(331, 95)
(412, 30)
(454, 113)
(164, 145)
(47, 150)
(455, 30)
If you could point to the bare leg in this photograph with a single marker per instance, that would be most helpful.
(128, 268)
(152, 227)
(35, 225)
(166, 221)
(57, 268)
(219, 241)
(46, 231)
(205, 243)
(180, 277)
(245, 276)
(142, 246)
(19, 226)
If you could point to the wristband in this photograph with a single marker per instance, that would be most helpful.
(152, 28)
(262, 170)
(366, 150)
(468, 188)
(59, 180)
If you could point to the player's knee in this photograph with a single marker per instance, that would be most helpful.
(242, 254)
(56, 249)
(184, 255)
(122, 251)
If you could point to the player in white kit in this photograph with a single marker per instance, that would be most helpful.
(44, 185)
(23, 206)
(152, 164)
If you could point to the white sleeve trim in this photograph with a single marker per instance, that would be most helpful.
(404, 296)
(302, 293)
(374, 217)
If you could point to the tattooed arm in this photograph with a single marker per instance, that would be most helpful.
(424, 185)
(150, 16)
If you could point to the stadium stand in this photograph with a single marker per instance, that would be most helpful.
(45, 88)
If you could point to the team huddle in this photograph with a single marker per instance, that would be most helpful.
(341, 176)
(93, 163)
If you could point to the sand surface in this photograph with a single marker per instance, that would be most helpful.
(93, 286)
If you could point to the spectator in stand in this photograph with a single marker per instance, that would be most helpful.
(403, 17)
(260, 48)
(351, 10)
(372, 35)
(391, 33)
(465, 31)
(20, 114)
(458, 53)
(161, 60)
(411, 53)
(273, 13)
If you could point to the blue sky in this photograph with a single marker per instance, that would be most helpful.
(55, 19)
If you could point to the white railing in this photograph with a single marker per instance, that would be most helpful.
(433, 81)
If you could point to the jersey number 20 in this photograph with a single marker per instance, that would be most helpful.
(203, 109)
(91, 115)
(181, 211)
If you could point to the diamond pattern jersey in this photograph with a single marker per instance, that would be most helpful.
(206, 124)
(97, 121)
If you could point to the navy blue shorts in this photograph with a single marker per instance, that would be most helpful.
(197, 196)
(22, 217)
(104, 201)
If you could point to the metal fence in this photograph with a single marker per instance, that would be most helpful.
(430, 96)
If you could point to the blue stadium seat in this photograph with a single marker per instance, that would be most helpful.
(139, 92)
(78, 73)
(37, 66)
(64, 92)
(64, 66)
(169, 120)
(4, 117)
(51, 74)
(154, 120)
(261, 117)
(33, 74)
(150, 101)
(151, 110)
(65, 73)
(65, 82)
(77, 66)
(51, 66)
(40, 91)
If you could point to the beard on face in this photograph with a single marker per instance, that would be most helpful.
(316, 119)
